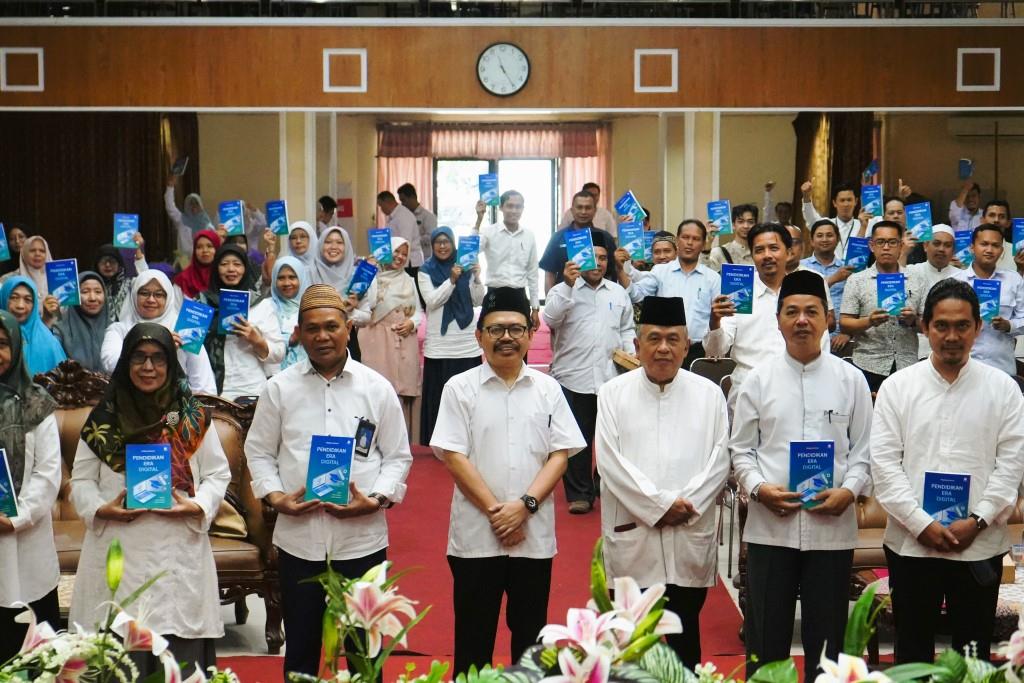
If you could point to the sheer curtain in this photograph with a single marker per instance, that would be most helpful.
(395, 171)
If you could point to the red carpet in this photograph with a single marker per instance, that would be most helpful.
(419, 532)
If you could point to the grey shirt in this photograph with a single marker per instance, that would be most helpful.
(879, 347)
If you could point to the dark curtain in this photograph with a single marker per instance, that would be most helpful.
(806, 125)
(66, 174)
(832, 148)
(849, 145)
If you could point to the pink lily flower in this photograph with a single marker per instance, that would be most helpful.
(375, 611)
(172, 672)
(591, 632)
(136, 636)
(72, 671)
(594, 669)
(635, 604)
(37, 634)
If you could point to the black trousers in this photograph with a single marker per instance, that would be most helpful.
(437, 372)
(479, 583)
(579, 480)
(696, 351)
(920, 584)
(775, 576)
(302, 605)
(12, 634)
(413, 272)
(687, 603)
(875, 380)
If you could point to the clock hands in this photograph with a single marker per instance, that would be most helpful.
(502, 67)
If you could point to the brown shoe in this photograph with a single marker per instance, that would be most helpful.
(580, 507)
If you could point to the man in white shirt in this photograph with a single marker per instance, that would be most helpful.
(796, 546)
(844, 201)
(603, 218)
(939, 252)
(662, 454)
(996, 342)
(509, 250)
(997, 212)
(590, 318)
(955, 415)
(505, 432)
(775, 213)
(965, 210)
(402, 222)
(555, 254)
(425, 219)
(326, 213)
(326, 394)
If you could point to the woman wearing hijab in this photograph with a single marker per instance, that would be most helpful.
(303, 244)
(41, 349)
(148, 402)
(114, 276)
(195, 279)
(17, 233)
(333, 265)
(81, 328)
(153, 299)
(237, 358)
(450, 346)
(28, 433)
(389, 343)
(189, 222)
(288, 281)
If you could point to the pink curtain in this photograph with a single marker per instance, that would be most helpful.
(490, 141)
(395, 171)
(576, 170)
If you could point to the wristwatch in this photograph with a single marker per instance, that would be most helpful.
(530, 502)
(982, 524)
(382, 499)
(754, 491)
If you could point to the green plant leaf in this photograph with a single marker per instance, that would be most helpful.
(124, 604)
(115, 565)
(533, 660)
(517, 674)
(956, 665)
(630, 673)
(861, 624)
(638, 647)
(776, 672)
(980, 671)
(662, 662)
(599, 580)
(910, 672)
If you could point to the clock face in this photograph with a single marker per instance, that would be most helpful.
(503, 69)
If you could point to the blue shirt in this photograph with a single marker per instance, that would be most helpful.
(826, 272)
(697, 288)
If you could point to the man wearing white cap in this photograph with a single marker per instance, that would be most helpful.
(939, 252)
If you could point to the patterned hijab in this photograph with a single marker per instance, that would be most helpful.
(170, 415)
(23, 405)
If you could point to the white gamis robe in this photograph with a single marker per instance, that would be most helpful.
(652, 446)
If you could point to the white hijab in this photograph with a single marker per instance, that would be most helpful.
(396, 289)
(37, 275)
(335, 274)
(130, 314)
(309, 258)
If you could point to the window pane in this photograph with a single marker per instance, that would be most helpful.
(457, 193)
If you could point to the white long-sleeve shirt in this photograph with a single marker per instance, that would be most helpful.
(244, 372)
(974, 426)
(785, 401)
(588, 324)
(993, 346)
(653, 446)
(962, 219)
(28, 557)
(511, 259)
(846, 228)
(298, 403)
(455, 342)
(196, 365)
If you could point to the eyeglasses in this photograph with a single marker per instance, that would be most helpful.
(498, 331)
(139, 359)
(159, 294)
(887, 243)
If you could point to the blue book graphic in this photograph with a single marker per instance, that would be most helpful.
(8, 499)
(892, 292)
(469, 251)
(234, 306)
(147, 472)
(330, 468)
(1018, 235)
(579, 246)
(193, 324)
(962, 244)
(5, 251)
(919, 221)
(871, 199)
(946, 496)
(277, 216)
(649, 246)
(380, 245)
(811, 469)
(631, 238)
(988, 297)
(858, 250)
(125, 227)
(738, 285)
(488, 184)
(627, 205)
(362, 278)
(720, 213)
(232, 217)
(62, 281)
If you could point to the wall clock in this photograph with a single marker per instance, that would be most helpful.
(503, 69)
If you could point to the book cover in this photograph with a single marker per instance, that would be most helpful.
(62, 281)
(8, 499)
(488, 184)
(147, 472)
(5, 251)
(180, 164)
(193, 324)
(579, 246)
(720, 213)
(631, 238)
(234, 306)
(362, 278)
(469, 251)
(811, 469)
(330, 468)
(988, 297)
(946, 496)
(380, 245)
(871, 199)
(232, 216)
(919, 221)
(738, 285)
(277, 216)
(125, 227)
(858, 251)
(649, 246)
(964, 169)
(962, 247)
(627, 205)
(892, 293)
(1018, 235)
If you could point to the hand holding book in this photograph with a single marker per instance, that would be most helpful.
(115, 511)
(358, 505)
(293, 503)
(777, 499)
(183, 506)
(832, 502)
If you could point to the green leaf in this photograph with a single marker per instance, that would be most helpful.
(532, 660)
(980, 671)
(599, 580)
(638, 647)
(630, 673)
(776, 672)
(662, 662)
(517, 674)
(124, 604)
(115, 565)
(913, 671)
(956, 665)
(647, 624)
(549, 658)
(861, 624)
(378, 664)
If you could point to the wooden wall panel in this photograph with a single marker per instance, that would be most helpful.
(590, 67)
